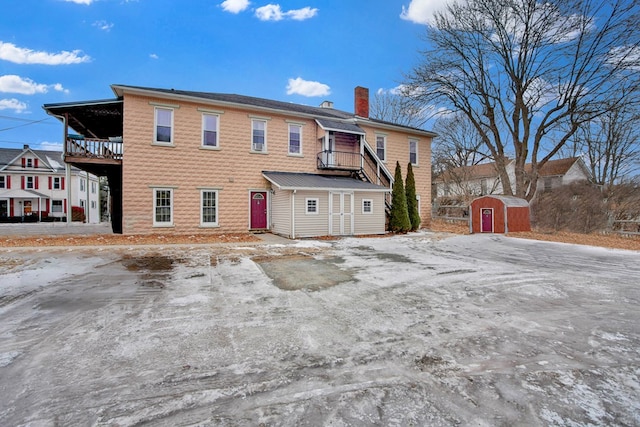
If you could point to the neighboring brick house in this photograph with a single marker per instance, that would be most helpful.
(34, 187)
(193, 162)
(482, 179)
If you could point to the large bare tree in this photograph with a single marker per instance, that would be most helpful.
(395, 107)
(528, 73)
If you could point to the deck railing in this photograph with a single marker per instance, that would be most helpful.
(341, 160)
(94, 148)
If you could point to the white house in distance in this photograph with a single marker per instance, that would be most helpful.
(483, 179)
(34, 186)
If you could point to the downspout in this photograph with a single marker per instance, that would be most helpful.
(293, 214)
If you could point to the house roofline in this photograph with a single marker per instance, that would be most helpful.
(119, 90)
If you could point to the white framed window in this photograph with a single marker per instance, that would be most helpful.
(82, 187)
(3, 181)
(94, 186)
(210, 130)
(29, 183)
(29, 162)
(56, 183)
(162, 207)
(312, 206)
(295, 139)
(413, 151)
(381, 147)
(93, 204)
(83, 204)
(208, 208)
(56, 206)
(367, 206)
(163, 126)
(259, 136)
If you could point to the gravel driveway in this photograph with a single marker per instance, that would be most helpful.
(407, 330)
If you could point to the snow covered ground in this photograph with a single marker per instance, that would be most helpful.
(418, 330)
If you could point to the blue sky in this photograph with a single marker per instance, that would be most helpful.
(302, 51)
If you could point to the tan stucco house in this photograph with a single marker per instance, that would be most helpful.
(194, 162)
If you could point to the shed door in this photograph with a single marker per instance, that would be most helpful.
(340, 213)
(258, 210)
(486, 220)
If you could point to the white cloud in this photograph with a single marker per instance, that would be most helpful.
(298, 86)
(628, 57)
(16, 84)
(235, 6)
(87, 2)
(153, 56)
(422, 11)
(103, 25)
(273, 12)
(12, 104)
(12, 53)
(50, 146)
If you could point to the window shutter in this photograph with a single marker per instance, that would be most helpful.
(47, 208)
(65, 205)
(50, 179)
(62, 183)
(24, 162)
(36, 183)
(35, 163)
(22, 182)
(8, 182)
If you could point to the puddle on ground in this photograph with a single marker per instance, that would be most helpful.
(302, 272)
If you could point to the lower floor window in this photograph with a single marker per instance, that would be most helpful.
(209, 207)
(312, 206)
(163, 207)
(56, 206)
(367, 206)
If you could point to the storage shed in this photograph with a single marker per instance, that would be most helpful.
(499, 214)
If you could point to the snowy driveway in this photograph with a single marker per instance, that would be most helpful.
(407, 330)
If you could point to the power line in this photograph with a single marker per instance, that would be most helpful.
(30, 122)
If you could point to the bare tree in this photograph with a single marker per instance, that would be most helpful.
(458, 144)
(395, 107)
(528, 73)
(611, 145)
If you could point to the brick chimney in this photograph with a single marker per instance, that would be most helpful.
(362, 102)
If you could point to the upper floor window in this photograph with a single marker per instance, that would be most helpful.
(3, 181)
(82, 182)
(163, 207)
(29, 183)
(413, 152)
(381, 147)
(209, 208)
(93, 187)
(210, 123)
(164, 125)
(259, 135)
(56, 183)
(295, 139)
(29, 162)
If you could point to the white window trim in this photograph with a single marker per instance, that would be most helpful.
(299, 154)
(4, 181)
(202, 144)
(155, 127)
(264, 149)
(61, 206)
(209, 224)
(155, 195)
(26, 182)
(417, 162)
(306, 205)
(384, 143)
(370, 212)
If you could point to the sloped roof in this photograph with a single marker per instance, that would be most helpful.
(95, 119)
(557, 167)
(509, 201)
(50, 159)
(310, 181)
(265, 104)
(340, 126)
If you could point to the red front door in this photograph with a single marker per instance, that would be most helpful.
(487, 220)
(258, 209)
